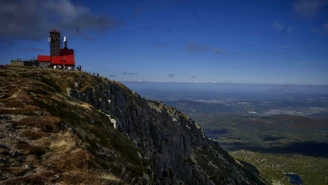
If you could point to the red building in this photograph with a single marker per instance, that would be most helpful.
(59, 57)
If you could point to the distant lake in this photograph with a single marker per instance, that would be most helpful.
(295, 179)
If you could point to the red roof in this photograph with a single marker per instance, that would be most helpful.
(63, 60)
(43, 58)
(58, 60)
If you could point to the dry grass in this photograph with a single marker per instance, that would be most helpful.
(27, 148)
(78, 177)
(67, 156)
(22, 147)
(77, 159)
(86, 106)
(72, 102)
(46, 123)
(14, 103)
(11, 111)
(33, 135)
(110, 177)
(43, 142)
(17, 111)
(13, 96)
(64, 142)
(28, 179)
(17, 171)
(157, 106)
(58, 157)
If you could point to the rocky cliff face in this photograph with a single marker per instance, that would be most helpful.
(115, 131)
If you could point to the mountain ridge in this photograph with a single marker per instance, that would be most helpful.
(91, 129)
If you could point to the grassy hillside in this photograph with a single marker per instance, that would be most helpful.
(48, 137)
(70, 127)
(271, 166)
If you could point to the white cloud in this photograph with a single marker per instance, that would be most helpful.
(33, 19)
(218, 51)
(194, 47)
(281, 27)
(277, 25)
(309, 8)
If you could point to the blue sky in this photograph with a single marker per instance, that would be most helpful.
(255, 41)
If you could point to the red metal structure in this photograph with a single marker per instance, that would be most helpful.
(62, 58)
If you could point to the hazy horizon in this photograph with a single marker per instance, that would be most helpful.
(178, 87)
(209, 82)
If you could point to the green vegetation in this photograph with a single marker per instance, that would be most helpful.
(67, 140)
(260, 131)
(312, 170)
(272, 144)
(267, 145)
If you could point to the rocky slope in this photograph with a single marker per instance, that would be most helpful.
(72, 128)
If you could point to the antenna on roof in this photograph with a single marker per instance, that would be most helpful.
(65, 42)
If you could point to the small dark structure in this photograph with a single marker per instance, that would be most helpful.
(54, 41)
(79, 68)
(19, 62)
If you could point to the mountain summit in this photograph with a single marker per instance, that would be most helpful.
(74, 128)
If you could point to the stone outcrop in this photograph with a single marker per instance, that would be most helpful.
(171, 147)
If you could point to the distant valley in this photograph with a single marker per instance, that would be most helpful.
(258, 123)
